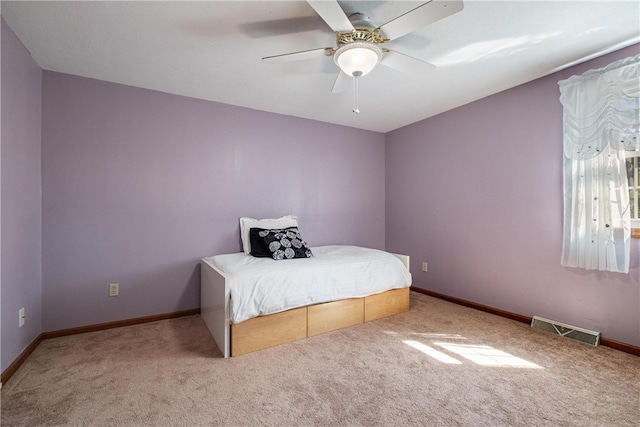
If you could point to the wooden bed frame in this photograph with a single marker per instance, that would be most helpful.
(291, 325)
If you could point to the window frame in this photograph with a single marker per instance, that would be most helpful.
(635, 222)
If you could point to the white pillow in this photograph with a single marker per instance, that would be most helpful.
(246, 224)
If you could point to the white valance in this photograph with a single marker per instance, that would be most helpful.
(602, 107)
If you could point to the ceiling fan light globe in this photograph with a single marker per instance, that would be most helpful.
(357, 58)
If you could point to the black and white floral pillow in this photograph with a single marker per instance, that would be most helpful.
(285, 243)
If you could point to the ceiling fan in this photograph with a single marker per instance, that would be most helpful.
(359, 43)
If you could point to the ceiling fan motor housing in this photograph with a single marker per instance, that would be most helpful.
(360, 34)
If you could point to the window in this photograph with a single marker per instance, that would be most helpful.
(601, 125)
(633, 177)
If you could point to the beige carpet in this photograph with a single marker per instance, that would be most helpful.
(437, 365)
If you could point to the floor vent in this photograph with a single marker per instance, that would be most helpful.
(573, 332)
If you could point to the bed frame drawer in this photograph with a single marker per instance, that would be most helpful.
(386, 304)
(268, 331)
(334, 315)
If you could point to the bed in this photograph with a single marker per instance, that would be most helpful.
(251, 302)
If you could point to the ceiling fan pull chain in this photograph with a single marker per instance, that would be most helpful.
(356, 74)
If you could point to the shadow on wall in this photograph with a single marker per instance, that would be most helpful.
(192, 283)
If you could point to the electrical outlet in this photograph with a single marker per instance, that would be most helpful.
(21, 317)
(424, 266)
(114, 289)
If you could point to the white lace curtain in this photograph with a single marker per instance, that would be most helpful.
(601, 122)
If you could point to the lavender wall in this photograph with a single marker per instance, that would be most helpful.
(139, 185)
(21, 194)
(477, 193)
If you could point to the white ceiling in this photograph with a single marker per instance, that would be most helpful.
(212, 50)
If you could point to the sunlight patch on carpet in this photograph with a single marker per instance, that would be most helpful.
(486, 355)
(483, 355)
(429, 351)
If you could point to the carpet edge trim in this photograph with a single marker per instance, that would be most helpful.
(606, 342)
(13, 367)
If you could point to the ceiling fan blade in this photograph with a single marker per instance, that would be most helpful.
(279, 27)
(332, 14)
(298, 56)
(406, 64)
(341, 84)
(420, 17)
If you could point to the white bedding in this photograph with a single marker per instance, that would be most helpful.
(261, 286)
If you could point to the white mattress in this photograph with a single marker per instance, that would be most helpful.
(261, 286)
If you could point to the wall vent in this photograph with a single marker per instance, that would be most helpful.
(573, 332)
